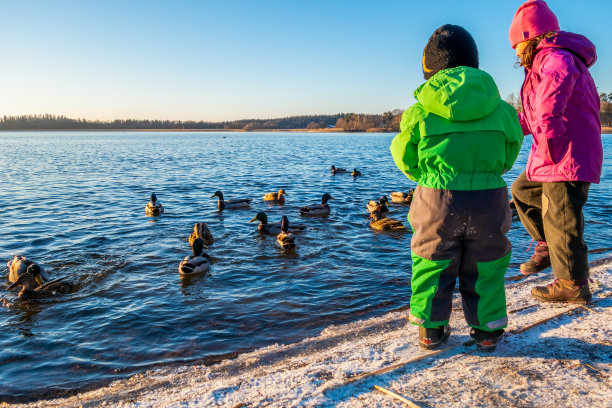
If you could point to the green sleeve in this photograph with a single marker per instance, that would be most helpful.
(514, 138)
(404, 148)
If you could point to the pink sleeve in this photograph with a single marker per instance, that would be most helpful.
(524, 125)
(558, 76)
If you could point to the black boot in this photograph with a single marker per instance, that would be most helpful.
(486, 341)
(430, 338)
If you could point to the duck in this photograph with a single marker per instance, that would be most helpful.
(381, 223)
(31, 290)
(233, 203)
(401, 197)
(285, 238)
(278, 198)
(154, 207)
(355, 173)
(201, 230)
(197, 263)
(274, 228)
(20, 264)
(336, 170)
(381, 205)
(318, 209)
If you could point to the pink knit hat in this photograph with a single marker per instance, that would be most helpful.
(533, 18)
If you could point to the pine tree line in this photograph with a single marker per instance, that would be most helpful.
(348, 121)
(352, 122)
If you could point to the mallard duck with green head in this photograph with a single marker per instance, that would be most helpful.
(336, 170)
(19, 265)
(380, 205)
(401, 197)
(273, 228)
(197, 263)
(285, 238)
(30, 289)
(318, 209)
(154, 207)
(356, 173)
(201, 230)
(381, 223)
(277, 198)
(223, 204)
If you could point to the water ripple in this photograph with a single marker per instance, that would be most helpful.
(80, 213)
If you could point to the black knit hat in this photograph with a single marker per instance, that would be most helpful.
(448, 47)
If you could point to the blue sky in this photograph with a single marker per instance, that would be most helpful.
(227, 59)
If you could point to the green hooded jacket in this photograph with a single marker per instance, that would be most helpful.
(460, 135)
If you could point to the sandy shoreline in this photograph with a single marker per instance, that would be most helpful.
(552, 355)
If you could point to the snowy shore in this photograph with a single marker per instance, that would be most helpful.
(552, 355)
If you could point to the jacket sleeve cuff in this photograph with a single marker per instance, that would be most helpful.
(524, 127)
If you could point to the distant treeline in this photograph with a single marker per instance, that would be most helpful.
(605, 110)
(388, 121)
(350, 122)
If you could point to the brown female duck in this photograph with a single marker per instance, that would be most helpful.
(278, 198)
(401, 197)
(201, 230)
(381, 223)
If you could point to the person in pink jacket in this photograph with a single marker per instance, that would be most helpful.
(561, 111)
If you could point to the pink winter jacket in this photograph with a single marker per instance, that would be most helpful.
(561, 111)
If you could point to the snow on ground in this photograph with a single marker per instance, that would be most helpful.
(562, 362)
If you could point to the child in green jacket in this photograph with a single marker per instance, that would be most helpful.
(456, 142)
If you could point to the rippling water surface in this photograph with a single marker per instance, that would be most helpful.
(74, 202)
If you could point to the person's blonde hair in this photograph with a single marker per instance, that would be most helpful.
(530, 50)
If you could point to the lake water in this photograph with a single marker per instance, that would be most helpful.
(74, 202)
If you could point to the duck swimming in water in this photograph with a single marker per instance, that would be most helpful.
(318, 209)
(381, 223)
(278, 198)
(355, 173)
(233, 203)
(274, 228)
(285, 238)
(197, 263)
(380, 205)
(201, 230)
(154, 207)
(31, 290)
(401, 197)
(336, 170)
(20, 264)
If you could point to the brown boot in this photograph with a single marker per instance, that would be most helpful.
(562, 290)
(539, 261)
